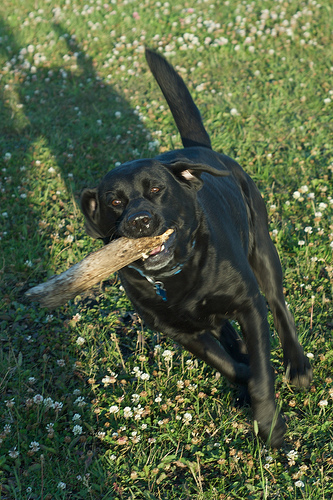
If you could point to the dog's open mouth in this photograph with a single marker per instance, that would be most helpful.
(161, 255)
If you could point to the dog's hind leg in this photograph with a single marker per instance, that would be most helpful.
(205, 346)
(232, 343)
(252, 319)
(266, 266)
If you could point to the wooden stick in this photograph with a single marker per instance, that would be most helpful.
(94, 268)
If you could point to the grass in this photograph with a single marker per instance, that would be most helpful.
(93, 404)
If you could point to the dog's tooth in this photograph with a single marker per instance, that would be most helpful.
(162, 247)
(145, 256)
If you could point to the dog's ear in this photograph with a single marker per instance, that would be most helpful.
(191, 172)
(90, 208)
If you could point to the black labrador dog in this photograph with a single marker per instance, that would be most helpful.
(211, 269)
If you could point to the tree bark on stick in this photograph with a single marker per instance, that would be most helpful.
(94, 268)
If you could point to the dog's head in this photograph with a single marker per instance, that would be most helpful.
(145, 198)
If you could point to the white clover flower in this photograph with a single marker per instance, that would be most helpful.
(322, 206)
(310, 355)
(13, 453)
(323, 403)
(190, 364)
(137, 372)
(303, 189)
(299, 484)
(61, 485)
(201, 87)
(152, 145)
(296, 195)
(234, 112)
(80, 401)
(308, 229)
(7, 429)
(75, 417)
(128, 412)
(135, 398)
(61, 362)
(114, 409)
(80, 341)
(117, 114)
(34, 446)
(48, 403)
(292, 455)
(107, 380)
(57, 405)
(180, 384)
(145, 376)
(301, 243)
(167, 355)
(77, 430)
(187, 418)
(38, 399)
(158, 398)
(138, 411)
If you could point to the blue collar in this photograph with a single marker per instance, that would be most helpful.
(157, 284)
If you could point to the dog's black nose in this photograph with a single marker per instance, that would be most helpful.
(140, 220)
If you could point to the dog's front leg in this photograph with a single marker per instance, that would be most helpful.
(204, 346)
(255, 329)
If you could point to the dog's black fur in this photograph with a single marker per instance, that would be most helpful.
(212, 267)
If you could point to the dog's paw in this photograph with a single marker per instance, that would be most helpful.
(272, 430)
(298, 372)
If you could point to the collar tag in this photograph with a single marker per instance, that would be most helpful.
(159, 285)
(160, 290)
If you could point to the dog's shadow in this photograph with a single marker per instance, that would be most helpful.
(69, 113)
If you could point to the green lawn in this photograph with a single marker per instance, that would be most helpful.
(93, 404)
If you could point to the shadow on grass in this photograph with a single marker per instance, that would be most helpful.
(52, 121)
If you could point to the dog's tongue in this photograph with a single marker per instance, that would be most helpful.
(156, 250)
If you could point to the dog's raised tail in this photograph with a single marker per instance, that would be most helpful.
(179, 99)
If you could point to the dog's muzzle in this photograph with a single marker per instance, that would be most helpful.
(160, 256)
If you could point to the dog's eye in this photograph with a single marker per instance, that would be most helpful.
(155, 190)
(116, 203)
